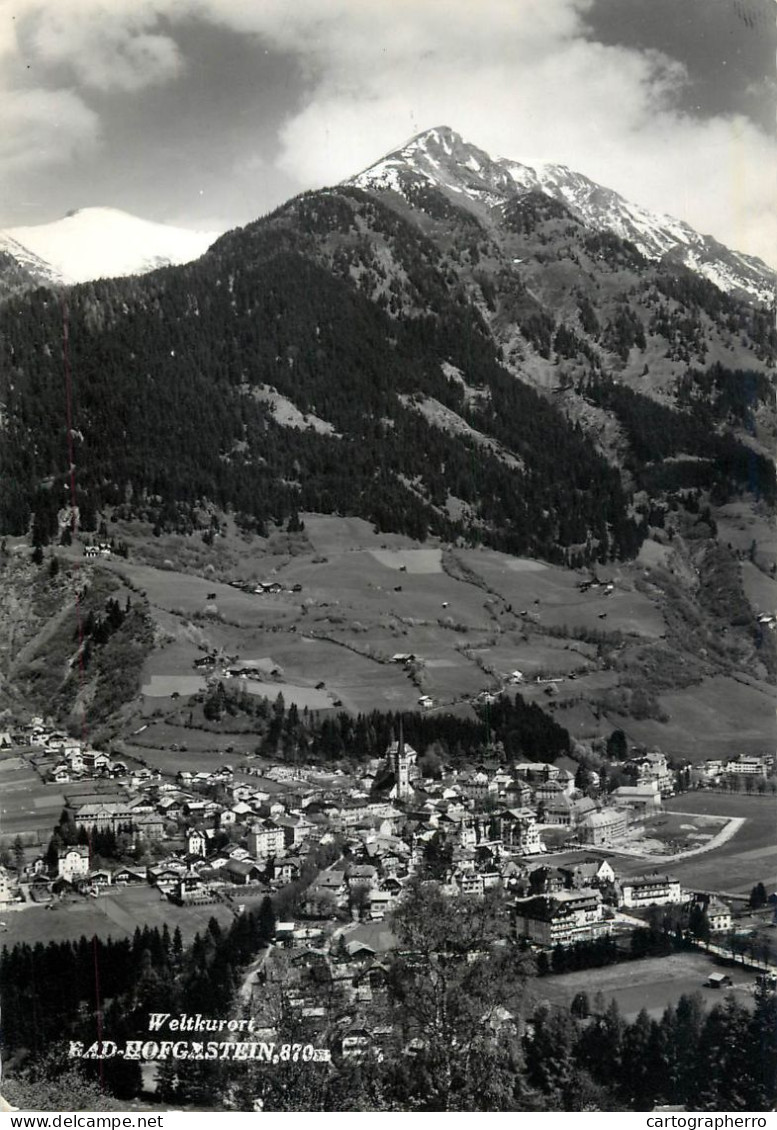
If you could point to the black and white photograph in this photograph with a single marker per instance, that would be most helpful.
(388, 557)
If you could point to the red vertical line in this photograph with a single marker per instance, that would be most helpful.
(72, 469)
(79, 623)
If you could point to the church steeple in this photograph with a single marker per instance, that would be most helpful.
(401, 767)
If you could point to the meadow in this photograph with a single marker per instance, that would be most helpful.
(470, 617)
(749, 857)
(114, 915)
(28, 807)
(652, 983)
(720, 717)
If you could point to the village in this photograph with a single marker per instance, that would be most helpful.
(349, 845)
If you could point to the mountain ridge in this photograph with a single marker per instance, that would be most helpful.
(440, 155)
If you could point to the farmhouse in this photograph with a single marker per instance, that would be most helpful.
(242, 871)
(128, 876)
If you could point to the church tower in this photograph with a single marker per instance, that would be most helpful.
(401, 768)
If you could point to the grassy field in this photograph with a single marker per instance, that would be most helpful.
(112, 915)
(721, 717)
(736, 866)
(470, 615)
(652, 983)
(551, 593)
(28, 807)
(760, 590)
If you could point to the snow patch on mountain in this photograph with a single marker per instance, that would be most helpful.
(93, 243)
(440, 158)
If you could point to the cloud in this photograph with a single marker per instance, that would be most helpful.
(104, 44)
(519, 78)
(43, 127)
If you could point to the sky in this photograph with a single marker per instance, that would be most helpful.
(209, 113)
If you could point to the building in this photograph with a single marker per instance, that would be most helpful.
(748, 767)
(640, 798)
(73, 864)
(362, 875)
(240, 871)
(266, 839)
(605, 827)
(651, 890)
(6, 895)
(652, 767)
(719, 915)
(400, 758)
(562, 918)
(588, 873)
(196, 842)
(520, 832)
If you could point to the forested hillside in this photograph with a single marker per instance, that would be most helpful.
(164, 374)
(413, 356)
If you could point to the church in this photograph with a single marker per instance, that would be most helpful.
(401, 762)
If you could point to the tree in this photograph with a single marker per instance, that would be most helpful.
(757, 897)
(698, 923)
(617, 746)
(359, 901)
(266, 920)
(454, 989)
(437, 858)
(430, 763)
(18, 854)
(54, 1084)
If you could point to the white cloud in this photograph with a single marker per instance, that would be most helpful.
(517, 77)
(43, 127)
(105, 44)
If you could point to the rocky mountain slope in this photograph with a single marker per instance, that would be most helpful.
(441, 159)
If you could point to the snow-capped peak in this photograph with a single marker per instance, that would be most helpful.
(93, 243)
(442, 159)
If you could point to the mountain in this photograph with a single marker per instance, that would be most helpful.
(93, 243)
(441, 159)
(445, 357)
(438, 354)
